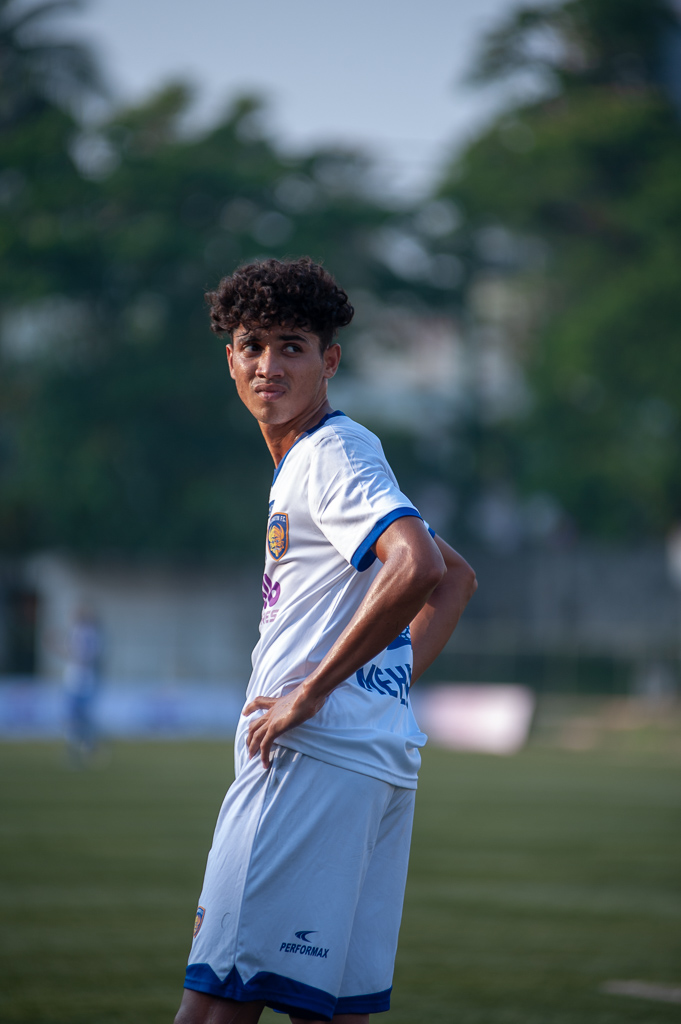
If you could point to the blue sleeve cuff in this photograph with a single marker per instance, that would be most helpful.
(429, 528)
(364, 556)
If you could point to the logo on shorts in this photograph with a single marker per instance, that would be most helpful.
(198, 921)
(277, 535)
(304, 947)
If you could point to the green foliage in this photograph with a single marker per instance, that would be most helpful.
(120, 429)
(37, 70)
(591, 174)
(579, 44)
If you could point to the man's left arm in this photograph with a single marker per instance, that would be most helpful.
(437, 619)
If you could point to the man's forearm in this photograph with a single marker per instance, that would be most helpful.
(401, 595)
(396, 596)
(432, 627)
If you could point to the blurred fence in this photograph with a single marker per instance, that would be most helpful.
(494, 719)
(583, 618)
(579, 619)
(39, 710)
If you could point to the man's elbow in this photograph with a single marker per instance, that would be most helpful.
(463, 576)
(429, 573)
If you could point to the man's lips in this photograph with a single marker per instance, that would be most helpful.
(269, 392)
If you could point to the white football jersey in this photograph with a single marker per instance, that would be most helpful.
(332, 496)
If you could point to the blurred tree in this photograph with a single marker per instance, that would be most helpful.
(574, 201)
(120, 431)
(45, 206)
(38, 71)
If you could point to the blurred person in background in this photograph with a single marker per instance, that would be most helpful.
(82, 681)
(302, 897)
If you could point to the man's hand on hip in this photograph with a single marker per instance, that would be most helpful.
(281, 714)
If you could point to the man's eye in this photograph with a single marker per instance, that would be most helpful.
(291, 347)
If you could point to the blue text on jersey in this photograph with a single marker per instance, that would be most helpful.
(375, 679)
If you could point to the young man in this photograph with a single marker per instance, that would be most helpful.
(302, 897)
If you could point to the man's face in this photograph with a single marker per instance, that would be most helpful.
(280, 372)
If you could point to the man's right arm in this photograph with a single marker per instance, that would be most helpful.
(413, 566)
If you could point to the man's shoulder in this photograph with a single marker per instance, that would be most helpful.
(343, 429)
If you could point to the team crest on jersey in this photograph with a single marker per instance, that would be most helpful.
(277, 535)
(200, 914)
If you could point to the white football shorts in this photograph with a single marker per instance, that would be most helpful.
(303, 892)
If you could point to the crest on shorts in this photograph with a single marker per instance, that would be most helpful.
(277, 535)
(198, 921)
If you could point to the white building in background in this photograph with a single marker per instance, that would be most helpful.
(405, 371)
(166, 625)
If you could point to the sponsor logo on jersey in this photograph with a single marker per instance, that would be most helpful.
(277, 535)
(270, 595)
(393, 681)
(270, 591)
(305, 948)
(198, 921)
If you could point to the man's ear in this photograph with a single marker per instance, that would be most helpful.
(332, 356)
(230, 358)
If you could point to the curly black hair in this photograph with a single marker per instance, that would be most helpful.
(295, 293)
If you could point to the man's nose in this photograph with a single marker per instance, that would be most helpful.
(268, 364)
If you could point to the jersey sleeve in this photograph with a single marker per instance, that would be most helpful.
(354, 496)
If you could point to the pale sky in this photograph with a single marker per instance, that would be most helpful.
(386, 74)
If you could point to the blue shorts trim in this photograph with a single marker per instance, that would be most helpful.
(276, 991)
(374, 1002)
(282, 994)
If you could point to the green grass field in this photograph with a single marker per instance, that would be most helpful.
(534, 880)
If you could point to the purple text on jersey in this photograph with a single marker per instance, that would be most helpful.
(376, 679)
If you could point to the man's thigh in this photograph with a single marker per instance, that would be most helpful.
(199, 1008)
(338, 1018)
(371, 953)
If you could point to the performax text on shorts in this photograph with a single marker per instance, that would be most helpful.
(296, 947)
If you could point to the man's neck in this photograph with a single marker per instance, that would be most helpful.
(280, 438)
